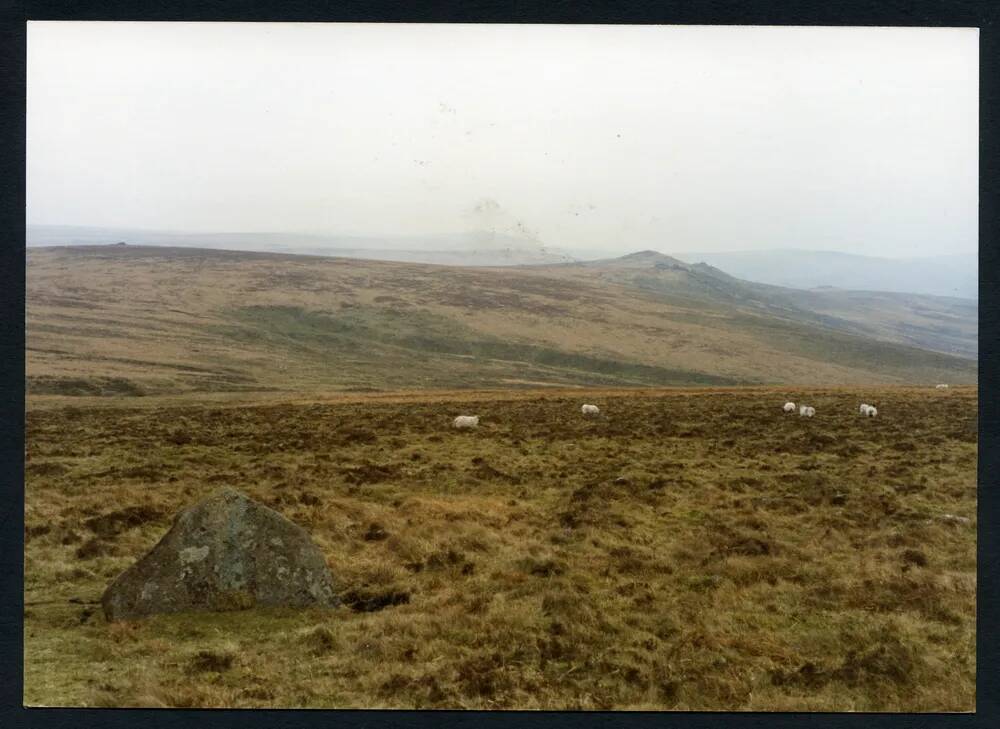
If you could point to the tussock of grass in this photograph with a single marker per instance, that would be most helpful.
(690, 551)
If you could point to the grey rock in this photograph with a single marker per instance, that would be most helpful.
(227, 552)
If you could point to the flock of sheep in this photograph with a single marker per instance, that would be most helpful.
(463, 422)
(806, 411)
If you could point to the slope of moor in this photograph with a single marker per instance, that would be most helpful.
(126, 320)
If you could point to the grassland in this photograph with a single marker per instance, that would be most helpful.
(694, 549)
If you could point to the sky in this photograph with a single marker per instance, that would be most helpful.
(612, 138)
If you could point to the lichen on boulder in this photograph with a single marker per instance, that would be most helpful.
(227, 552)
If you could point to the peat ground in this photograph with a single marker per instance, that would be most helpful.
(696, 551)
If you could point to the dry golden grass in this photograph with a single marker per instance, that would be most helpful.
(692, 550)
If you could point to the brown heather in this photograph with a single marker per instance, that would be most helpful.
(695, 550)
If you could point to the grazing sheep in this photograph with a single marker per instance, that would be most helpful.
(590, 410)
(789, 407)
(806, 411)
(466, 421)
(940, 387)
(864, 408)
(872, 412)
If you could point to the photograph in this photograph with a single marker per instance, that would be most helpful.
(496, 366)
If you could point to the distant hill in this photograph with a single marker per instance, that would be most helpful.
(952, 275)
(131, 320)
(472, 248)
(942, 324)
(955, 276)
(639, 260)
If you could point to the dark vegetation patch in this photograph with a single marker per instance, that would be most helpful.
(350, 436)
(94, 547)
(370, 473)
(449, 558)
(35, 530)
(102, 386)
(746, 544)
(211, 661)
(421, 333)
(546, 567)
(369, 600)
(115, 522)
(914, 557)
(375, 533)
(321, 640)
(888, 660)
(47, 468)
(483, 470)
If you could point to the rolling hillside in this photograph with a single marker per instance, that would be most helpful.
(134, 320)
(938, 323)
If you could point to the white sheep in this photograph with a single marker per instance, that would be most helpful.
(466, 421)
(789, 407)
(872, 411)
(864, 408)
(590, 410)
(940, 387)
(806, 411)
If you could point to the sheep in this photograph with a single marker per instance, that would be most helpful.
(806, 411)
(940, 387)
(590, 410)
(872, 412)
(864, 408)
(789, 407)
(466, 422)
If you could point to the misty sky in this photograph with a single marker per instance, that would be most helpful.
(612, 138)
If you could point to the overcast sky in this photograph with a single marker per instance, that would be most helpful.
(613, 138)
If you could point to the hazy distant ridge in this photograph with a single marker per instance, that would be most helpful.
(953, 275)
(950, 275)
(472, 248)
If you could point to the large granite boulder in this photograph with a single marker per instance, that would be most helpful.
(226, 553)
